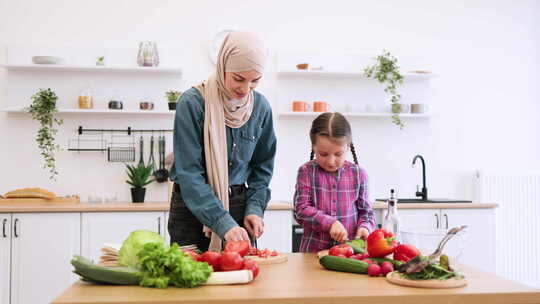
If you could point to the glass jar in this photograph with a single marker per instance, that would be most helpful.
(85, 99)
(148, 54)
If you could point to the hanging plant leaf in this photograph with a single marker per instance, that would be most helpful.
(43, 110)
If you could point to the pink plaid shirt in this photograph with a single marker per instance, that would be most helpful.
(322, 197)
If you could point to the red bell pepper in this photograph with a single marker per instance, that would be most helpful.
(381, 243)
(404, 252)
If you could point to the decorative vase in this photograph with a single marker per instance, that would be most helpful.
(137, 195)
(172, 106)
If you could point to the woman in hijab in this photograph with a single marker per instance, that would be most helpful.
(224, 148)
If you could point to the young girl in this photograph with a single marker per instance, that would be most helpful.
(331, 199)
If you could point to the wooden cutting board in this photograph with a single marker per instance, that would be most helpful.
(322, 253)
(74, 199)
(395, 277)
(280, 258)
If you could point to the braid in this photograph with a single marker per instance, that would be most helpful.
(353, 151)
(311, 155)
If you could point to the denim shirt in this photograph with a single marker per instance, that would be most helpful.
(251, 150)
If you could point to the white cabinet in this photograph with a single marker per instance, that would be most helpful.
(99, 228)
(42, 245)
(277, 231)
(5, 257)
(479, 249)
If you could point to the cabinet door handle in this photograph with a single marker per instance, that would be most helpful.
(159, 225)
(446, 218)
(437, 217)
(4, 222)
(15, 228)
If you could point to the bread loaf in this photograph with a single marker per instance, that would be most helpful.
(30, 193)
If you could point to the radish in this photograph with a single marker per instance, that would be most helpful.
(386, 267)
(374, 270)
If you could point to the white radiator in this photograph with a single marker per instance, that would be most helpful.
(517, 235)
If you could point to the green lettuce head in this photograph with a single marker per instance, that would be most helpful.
(134, 243)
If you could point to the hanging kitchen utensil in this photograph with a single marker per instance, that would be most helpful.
(162, 174)
(151, 161)
(141, 151)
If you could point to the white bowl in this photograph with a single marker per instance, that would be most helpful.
(46, 60)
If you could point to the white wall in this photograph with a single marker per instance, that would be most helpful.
(486, 54)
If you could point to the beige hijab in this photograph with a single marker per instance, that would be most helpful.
(240, 51)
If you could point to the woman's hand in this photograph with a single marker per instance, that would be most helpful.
(236, 234)
(362, 233)
(338, 232)
(254, 225)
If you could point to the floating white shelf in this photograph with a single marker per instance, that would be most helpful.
(100, 111)
(347, 74)
(300, 115)
(83, 68)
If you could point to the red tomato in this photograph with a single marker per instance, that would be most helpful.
(242, 247)
(251, 265)
(195, 256)
(404, 252)
(231, 260)
(212, 258)
(274, 253)
(343, 249)
(380, 243)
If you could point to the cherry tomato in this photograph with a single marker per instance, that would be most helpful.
(251, 265)
(212, 258)
(231, 260)
(242, 247)
(343, 249)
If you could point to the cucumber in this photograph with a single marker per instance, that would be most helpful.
(395, 263)
(343, 264)
(107, 275)
(358, 245)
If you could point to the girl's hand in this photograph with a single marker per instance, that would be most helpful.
(362, 233)
(338, 232)
(254, 225)
(236, 234)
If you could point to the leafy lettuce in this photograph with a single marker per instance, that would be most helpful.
(161, 266)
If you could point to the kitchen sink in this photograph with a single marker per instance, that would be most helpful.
(428, 201)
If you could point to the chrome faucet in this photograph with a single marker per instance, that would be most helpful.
(423, 193)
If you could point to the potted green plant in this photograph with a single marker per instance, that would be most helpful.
(386, 71)
(43, 109)
(139, 177)
(172, 97)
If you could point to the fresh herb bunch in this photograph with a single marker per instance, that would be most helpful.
(386, 71)
(139, 176)
(172, 95)
(161, 266)
(43, 109)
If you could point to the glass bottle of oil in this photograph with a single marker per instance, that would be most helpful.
(391, 218)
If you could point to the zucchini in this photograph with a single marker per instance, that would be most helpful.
(105, 275)
(343, 264)
(358, 245)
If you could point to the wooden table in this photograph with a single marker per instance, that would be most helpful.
(303, 280)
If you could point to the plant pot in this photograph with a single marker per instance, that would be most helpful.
(137, 195)
(172, 106)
